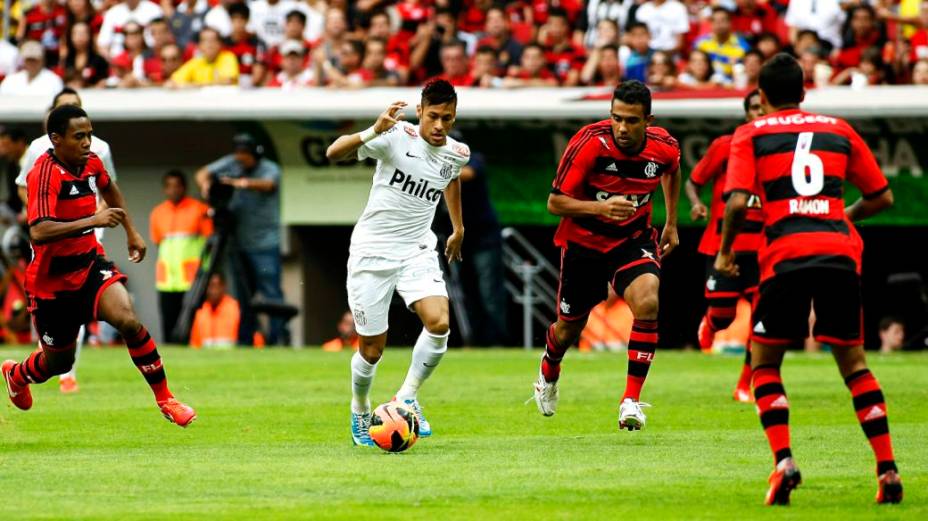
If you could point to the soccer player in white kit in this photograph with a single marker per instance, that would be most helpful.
(40, 145)
(393, 247)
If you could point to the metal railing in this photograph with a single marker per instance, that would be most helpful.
(536, 290)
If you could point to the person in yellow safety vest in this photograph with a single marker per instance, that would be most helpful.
(179, 227)
(216, 323)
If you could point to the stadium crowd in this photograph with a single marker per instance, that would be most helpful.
(693, 44)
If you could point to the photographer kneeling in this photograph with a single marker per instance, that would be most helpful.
(248, 185)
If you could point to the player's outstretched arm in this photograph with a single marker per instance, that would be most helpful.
(670, 237)
(455, 212)
(868, 207)
(113, 197)
(616, 207)
(735, 211)
(346, 145)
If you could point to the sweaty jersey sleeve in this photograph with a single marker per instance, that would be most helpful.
(863, 170)
(711, 163)
(574, 165)
(741, 175)
(379, 147)
(43, 187)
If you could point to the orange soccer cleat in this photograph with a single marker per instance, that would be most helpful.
(890, 488)
(68, 385)
(705, 335)
(19, 395)
(177, 413)
(783, 480)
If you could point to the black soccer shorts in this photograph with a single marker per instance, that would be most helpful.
(781, 310)
(58, 320)
(585, 273)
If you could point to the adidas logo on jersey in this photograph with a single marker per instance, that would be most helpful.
(418, 188)
(74, 190)
(759, 328)
(612, 168)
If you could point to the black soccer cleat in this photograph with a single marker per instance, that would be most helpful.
(890, 488)
(783, 480)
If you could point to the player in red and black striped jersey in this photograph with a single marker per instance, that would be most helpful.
(723, 292)
(798, 163)
(602, 192)
(69, 281)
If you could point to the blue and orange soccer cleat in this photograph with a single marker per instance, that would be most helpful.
(19, 395)
(425, 428)
(360, 429)
(177, 413)
(783, 480)
(890, 488)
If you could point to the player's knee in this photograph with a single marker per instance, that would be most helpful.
(127, 324)
(438, 325)
(568, 333)
(646, 306)
(371, 349)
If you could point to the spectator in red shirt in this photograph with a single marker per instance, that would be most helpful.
(294, 73)
(863, 33)
(497, 35)
(919, 40)
(602, 69)
(534, 71)
(294, 28)
(349, 73)
(245, 46)
(751, 18)
(83, 67)
(563, 57)
(474, 17)
(870, 70)
(161, 36)
(454, 65)
(134, 63)
(45, 23)
(375, 61)
(171, 58)
(485, 71)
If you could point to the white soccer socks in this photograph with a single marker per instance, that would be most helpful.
(362, 375)
(426, 355)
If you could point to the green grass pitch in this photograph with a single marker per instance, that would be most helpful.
(271, 442)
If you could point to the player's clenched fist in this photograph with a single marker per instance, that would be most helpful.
(110, 218)
(389, 117)
(617, 208)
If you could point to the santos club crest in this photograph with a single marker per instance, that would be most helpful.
(446, 171)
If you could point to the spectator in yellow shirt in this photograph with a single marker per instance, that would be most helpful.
(213, 66)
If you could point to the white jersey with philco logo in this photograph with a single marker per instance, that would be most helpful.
(409, 180)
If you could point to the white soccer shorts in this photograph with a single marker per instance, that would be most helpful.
(372, 280)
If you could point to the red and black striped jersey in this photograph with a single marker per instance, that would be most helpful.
(798, 162)
(712, 168)
(58, 194)
(593, 168)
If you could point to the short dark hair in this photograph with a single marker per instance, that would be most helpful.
(63, 92)
(808, 32)
(781, 80)
(14, 134)
(454, 44)
(633, 92)
(159, 20)
(885, 322)
(747, 99)
(558, 12)
(175, 174)
(610, 47)
(239, 10)
(488, 49)
(61, 117)
(637, 25)
(754, 52)
(438, 92)
(719, 9)
(300, 15)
